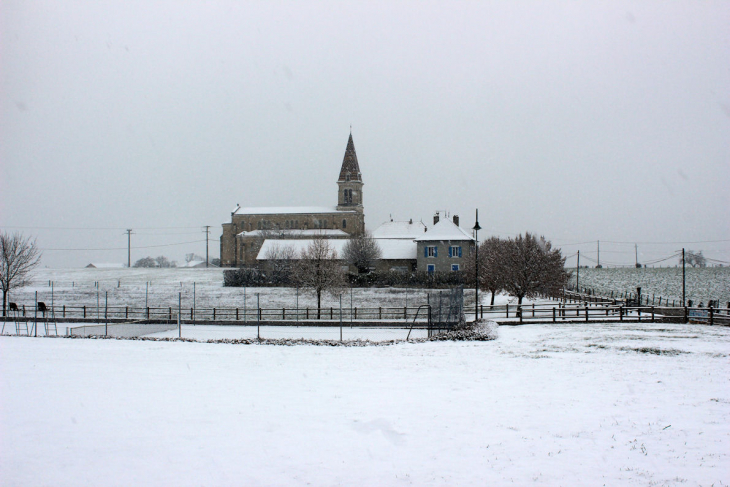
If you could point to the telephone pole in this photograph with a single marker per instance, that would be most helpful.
(129, 247)
(207, 234)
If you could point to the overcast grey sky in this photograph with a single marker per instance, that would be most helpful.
(581, 121)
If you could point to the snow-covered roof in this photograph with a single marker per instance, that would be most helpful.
(286, 210)
(324, 232)
(105, 265)
(297, 245)
(408, 230)
(397, 248)
(193, 263)
(445, 230)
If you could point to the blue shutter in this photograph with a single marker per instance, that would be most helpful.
(425, 251)
(450, 254)
(435, 251)
(459, 251)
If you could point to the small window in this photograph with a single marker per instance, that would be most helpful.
(431, 251)
(431, 268)
(455, 251)
(344, 223)
(454, 267)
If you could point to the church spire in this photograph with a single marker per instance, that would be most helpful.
(350, 170)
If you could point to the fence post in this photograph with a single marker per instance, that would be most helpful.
(355, 312)
(533, 310)
(170, 314)
(506, 309)
(481, 311)
(686, 315)
(283, 313)
(126, 312)
(213, 314)
(620, 313)
(652, 314)
(586, 306)
(236, 314)
(84, 311)
(148, 312)
(711, 315)
(380, 312)
(553, 314)
(64, 310)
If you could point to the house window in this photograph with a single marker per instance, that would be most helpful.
(454, 267)
(431, 268)
(455, 251)
(344, 223)
(430, 251)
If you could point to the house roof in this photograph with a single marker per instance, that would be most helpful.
(349, 164)
(297, 245)
(445, 229)
(397, 248)
(106, 265)
(293, 233)
(286, 210)
(403, 230)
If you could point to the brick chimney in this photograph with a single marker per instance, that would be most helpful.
(456, 220)
(436, 218)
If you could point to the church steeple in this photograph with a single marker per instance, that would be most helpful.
(350, 183)
(350, 170)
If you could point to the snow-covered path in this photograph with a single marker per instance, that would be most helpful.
(552, 405)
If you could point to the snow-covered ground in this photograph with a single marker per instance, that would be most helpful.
(636, 404)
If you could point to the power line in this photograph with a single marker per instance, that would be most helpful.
(96, 228)
(643, 243)
(125, 248)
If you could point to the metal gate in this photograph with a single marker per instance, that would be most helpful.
(447, 309)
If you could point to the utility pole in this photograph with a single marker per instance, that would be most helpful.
(207, 234)
(598, 252)
(577, 275)
(129, 247)
(683, 278)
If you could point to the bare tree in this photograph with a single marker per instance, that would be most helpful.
(695, 259)
(280, 262)
(18, 256)
(532, 267)
(362, 251)
(145, 262)
(491, 268)
(320, 271)
(163, 261)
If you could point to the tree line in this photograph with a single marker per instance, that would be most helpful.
(525, 267)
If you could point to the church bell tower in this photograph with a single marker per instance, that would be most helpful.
(349, 195)
(350, 183)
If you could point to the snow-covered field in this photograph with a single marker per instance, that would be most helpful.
(161, 288)
(702, 284)
(635, 404)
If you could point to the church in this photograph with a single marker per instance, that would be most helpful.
(254, 234)
(249, 227)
